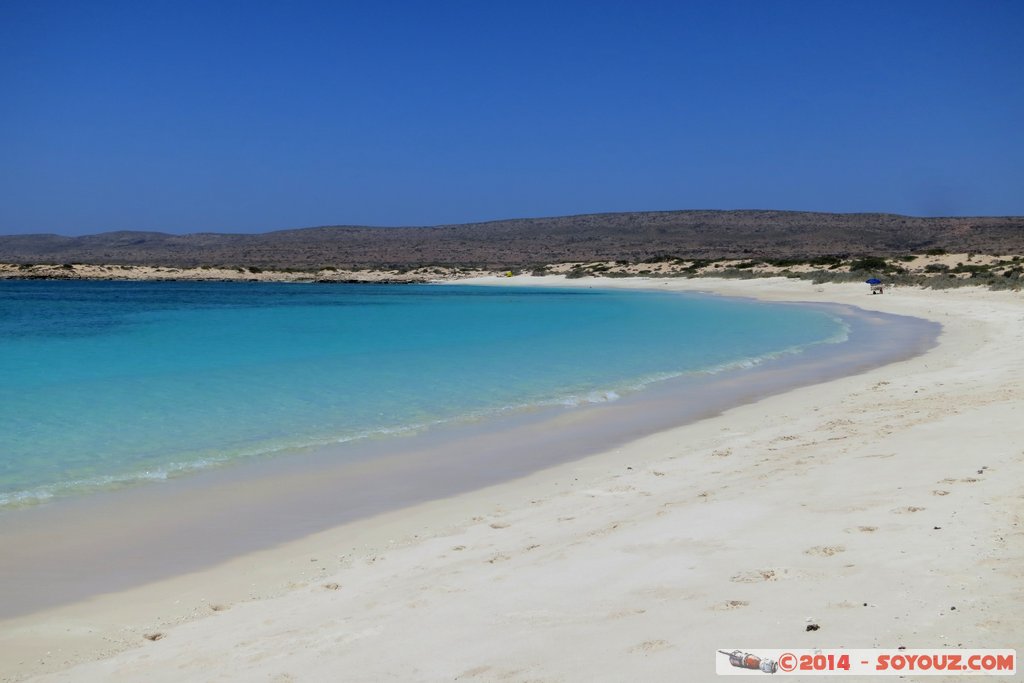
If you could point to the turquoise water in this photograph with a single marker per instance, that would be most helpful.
(107, 383)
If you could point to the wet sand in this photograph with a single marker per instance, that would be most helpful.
(655, 521)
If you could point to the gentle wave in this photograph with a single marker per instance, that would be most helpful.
(43, 494)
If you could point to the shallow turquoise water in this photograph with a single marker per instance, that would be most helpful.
(106, 383)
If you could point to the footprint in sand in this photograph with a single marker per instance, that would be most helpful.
(626, 613)
(909, 508)
(606, 530)
(862, 529)
(825, 550)
(755, 576)
(473, 673)
(650, 646)
(729, 605)
(940, 493)
(499, 525)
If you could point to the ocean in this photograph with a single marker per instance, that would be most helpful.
(108, 384)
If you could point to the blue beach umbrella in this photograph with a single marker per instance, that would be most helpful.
(873, 281)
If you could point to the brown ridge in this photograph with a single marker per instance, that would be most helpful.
(522, 242)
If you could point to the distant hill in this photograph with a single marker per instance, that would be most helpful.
(529, 241)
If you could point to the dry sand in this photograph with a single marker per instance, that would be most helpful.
(80, 271)
(872, 505)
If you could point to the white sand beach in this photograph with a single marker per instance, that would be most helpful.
(885, 507)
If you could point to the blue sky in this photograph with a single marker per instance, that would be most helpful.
(250, 116)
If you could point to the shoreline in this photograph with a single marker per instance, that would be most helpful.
(197, 521)
(523, 500)
(136, 273)
(348, 444)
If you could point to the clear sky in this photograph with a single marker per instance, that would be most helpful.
(249, 116)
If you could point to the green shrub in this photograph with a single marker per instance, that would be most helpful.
(973, 270)
(697, 265)
(870, 263)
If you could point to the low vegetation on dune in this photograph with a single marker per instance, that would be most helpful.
(936, 270)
